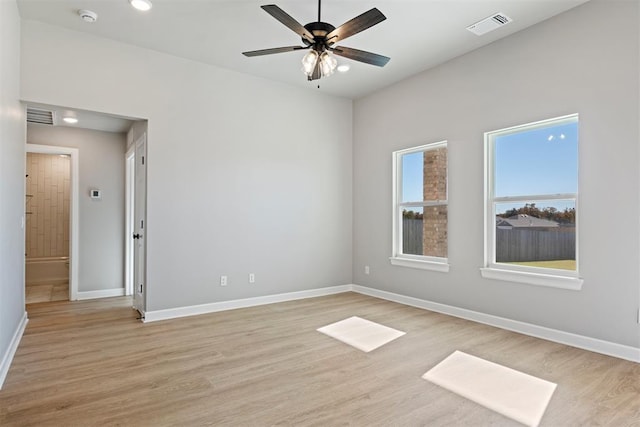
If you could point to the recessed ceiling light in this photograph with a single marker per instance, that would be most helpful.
(344, 68)
(70, 120)
(143, 5)
(88, 15)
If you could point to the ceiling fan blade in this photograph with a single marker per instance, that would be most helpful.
(287, 20)
(354, 26)
(273, 50)
(361, 56)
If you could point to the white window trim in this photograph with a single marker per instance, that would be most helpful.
(421, 264)
(549, 277)
(529, 278)
(398, 258)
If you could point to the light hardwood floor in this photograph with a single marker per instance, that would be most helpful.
(92, 363)
(47, 292)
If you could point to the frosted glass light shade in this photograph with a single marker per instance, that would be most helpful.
(327, 64)
(309, 62)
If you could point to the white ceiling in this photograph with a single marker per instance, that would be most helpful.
(417, 35)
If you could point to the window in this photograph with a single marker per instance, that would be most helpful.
(420, 207)
(531, 197)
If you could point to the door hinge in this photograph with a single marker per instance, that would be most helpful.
(140, 288)
(143, 160)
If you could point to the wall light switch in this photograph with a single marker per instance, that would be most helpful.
(252, 278)
(366, 269)
(223, 280)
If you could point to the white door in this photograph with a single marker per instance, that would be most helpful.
(139, 226)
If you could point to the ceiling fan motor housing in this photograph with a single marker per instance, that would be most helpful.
(319, 31)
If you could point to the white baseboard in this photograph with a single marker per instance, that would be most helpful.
(172, 313)
(562, 337)
(103, 293)
(567, 338)
(7, 358)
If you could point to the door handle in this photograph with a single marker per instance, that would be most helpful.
(137, 236)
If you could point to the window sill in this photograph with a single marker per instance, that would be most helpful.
(548, 280)
(442, 267)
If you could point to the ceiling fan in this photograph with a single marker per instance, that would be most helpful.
(320, 38)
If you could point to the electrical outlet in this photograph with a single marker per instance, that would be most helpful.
(366, 269)
(252, 278)
(223, 280)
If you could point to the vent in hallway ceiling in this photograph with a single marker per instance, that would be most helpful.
(489, 24)
(43, 117)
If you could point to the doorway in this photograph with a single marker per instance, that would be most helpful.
(102, 194)
(51, 246)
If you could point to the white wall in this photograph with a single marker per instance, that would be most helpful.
(138, 128)
(12, 184)
(577, 62)
(101, 222)
(242, 176)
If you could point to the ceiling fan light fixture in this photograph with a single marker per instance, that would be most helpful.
(309, 62)
(328, 64)
(142, 5)
(324, 62)
(343, 68)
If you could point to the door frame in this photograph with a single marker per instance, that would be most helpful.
(130, 194)
(74, 217)
(139, 263)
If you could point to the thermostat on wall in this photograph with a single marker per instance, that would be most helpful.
(96, 194)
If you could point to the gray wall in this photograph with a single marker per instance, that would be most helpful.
(238, 182)
(577, 62)
(12, 181)
(101, 234)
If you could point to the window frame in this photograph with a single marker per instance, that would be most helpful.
(399, 258)
(551, 277)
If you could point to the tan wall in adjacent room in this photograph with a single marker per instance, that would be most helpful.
(47, 205)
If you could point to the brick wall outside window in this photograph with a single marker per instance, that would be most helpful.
(434, 236)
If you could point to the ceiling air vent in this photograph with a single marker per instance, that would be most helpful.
(489, 24)
(36, 115)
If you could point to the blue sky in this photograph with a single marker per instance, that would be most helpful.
(536, 162)
(541, 161)
(412, 169)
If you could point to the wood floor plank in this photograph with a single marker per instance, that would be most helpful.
(93, 363)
